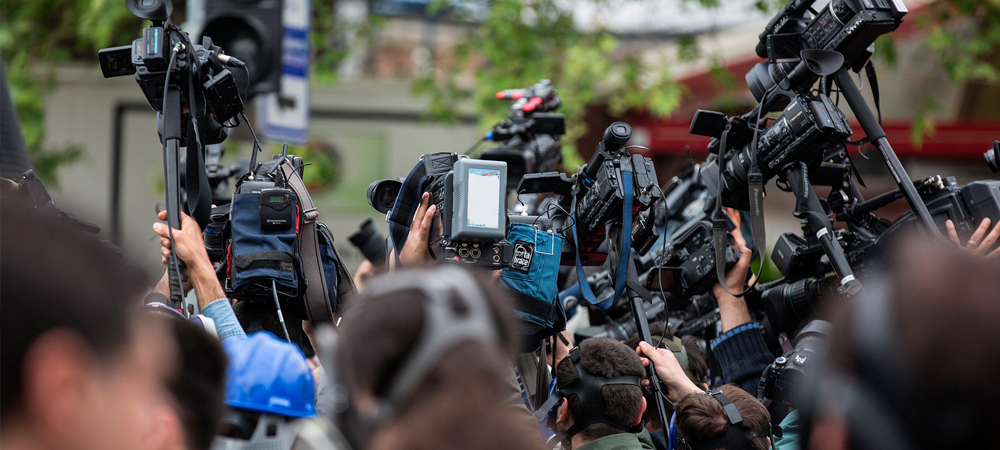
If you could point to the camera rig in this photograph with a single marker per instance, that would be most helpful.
(531, 138)
(194, 96)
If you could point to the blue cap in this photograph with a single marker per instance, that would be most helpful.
(270, 376)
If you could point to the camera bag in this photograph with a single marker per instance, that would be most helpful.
(259, 256)
(532, 276)
(302, 262)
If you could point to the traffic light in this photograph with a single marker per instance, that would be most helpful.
(250, 30)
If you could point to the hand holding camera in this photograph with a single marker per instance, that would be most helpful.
(415, 252)
(189, 247)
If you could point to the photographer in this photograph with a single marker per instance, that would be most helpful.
(704, 418)
(693, 362)
(190, 247)
(621, 406)
(703, 421)
(912, 362)
(81, 369)
(425, 358)
(270, 399)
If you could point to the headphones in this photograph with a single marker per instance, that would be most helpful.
(737, 437)
(587, 388)
(445, 327)
(162, 309)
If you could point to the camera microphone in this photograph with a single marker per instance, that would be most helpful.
(231, 61)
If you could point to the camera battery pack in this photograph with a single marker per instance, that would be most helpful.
(277, 210)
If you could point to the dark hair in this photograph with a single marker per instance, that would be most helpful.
(697, 361)
(463, 402)
(198, 384)
(700, 417)
(942, 307)
(55, 277)
(605, 357)
(696, 370)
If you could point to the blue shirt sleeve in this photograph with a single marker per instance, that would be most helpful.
(742, 355)
(226, 324)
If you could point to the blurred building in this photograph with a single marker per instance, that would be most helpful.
(371, 127)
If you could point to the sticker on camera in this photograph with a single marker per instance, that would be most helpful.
(523, 253)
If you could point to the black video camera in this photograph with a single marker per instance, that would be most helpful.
(686, 266)
(782, 381)
(371, 243)
(596, 196)
(530, 137)
(808, 126)
(165, 55)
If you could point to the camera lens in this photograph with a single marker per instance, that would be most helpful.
(991, 157)
(382, 194)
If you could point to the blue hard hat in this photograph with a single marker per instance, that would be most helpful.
(270, 376)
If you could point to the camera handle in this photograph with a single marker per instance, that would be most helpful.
(876, 135)
(170, 120)
(637, 296)
(817, 224)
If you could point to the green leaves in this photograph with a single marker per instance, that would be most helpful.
(521, 42)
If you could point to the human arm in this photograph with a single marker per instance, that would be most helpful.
(190, 248)
(668, 369)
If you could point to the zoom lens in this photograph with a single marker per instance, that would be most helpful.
(382, 194)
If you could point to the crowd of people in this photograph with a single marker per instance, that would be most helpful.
(93, 358)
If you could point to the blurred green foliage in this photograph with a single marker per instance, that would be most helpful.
(37, 36)
(521, 42)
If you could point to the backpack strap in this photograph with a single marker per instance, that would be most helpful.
(316, 298)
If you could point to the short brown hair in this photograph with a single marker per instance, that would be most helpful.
(604, 357)
(700, 417)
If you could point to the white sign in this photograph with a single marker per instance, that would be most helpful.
(286, 112)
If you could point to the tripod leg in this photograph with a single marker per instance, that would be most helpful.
(877, 137)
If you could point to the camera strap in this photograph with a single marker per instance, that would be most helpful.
(626, 244)
(873, 81)
(401, 215)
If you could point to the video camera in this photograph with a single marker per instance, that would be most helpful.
(782, 381)
(165, 56)
(530, 137)
(195, 97)
(470, 224)
(596, 196)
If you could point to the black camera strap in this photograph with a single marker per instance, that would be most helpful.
(755, 184)
(625, 245)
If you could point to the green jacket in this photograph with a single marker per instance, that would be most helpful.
(621, 441)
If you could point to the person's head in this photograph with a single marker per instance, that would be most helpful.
(76, 371)
(621, 404)
(694, 363)
(269, 385)
(426, 358)
(912, 361)
(197, 387)
(689, 354)
(701, 418)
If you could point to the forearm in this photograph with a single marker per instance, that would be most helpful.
(733, 311)
(206, 285)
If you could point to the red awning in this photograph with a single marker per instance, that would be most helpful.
(951, 140)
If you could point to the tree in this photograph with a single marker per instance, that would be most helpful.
(521, 42)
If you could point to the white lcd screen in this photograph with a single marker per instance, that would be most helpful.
(484, 198)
